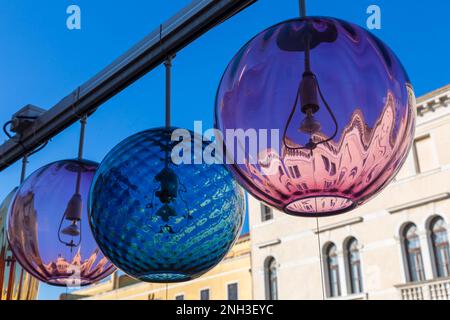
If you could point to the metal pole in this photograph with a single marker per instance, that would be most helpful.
(23, 174)
(179, 31)
(168, 65)
(302, 6)
(83, 122)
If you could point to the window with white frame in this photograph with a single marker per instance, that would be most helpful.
(441, 251)
(271, 278)
(413, 253)
(332, 269)
(353, 261)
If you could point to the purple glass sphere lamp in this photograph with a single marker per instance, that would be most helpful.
(48, 226)
(339, 108)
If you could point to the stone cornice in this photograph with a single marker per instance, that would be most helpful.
(337, 225)
(434, 100)
(269, 243)
(420, 202)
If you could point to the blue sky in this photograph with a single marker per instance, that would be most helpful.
(41, 61)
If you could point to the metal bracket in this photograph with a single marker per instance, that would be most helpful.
(24, 118)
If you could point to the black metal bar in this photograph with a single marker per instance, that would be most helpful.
(182, 29)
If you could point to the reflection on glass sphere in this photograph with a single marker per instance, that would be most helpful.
(15, 283)
(49, 230)
(161, 222)
(342, 106)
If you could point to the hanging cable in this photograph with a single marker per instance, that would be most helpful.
(83, 122)
(168, 65)
(170, 188)
(39, 149)
(7, 132)
(302, 5)
(5, 129)
(307, 98)
(319, 245)
(73, 212)
(10, 122)
(23, 173)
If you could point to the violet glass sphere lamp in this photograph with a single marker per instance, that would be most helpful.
(48, 226)
(161, 222)
(339, 108)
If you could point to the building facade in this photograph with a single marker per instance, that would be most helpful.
(230, 280)
(394, 247)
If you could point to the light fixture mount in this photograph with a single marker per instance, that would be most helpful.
(24, 118)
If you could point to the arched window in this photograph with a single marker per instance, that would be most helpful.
(441, 251)
(271, 280)
(332, 266)
(354, 266)
(413, 253)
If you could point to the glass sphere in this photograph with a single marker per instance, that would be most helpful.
(338, 108)
(48, 227)
(15, 283)
(161, 222)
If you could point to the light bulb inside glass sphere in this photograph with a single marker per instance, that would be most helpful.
(73, 230)
(74, 208)
(169, 182)
(310, 125)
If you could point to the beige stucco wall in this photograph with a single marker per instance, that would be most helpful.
(292, 241)
(235, 268)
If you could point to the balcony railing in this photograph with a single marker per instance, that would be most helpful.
(428, 290)
(357, 296)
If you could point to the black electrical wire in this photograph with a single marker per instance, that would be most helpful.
(72, 244)
(330, 111)
(5, 129)
(302, 6)
(10, 136)
(311, 144)
(39, 149)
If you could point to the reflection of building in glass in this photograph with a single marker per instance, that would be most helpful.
(15, 283)
(394, 247)
(64, 268)
(230, 280)
(359, 163)
(61, 268)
